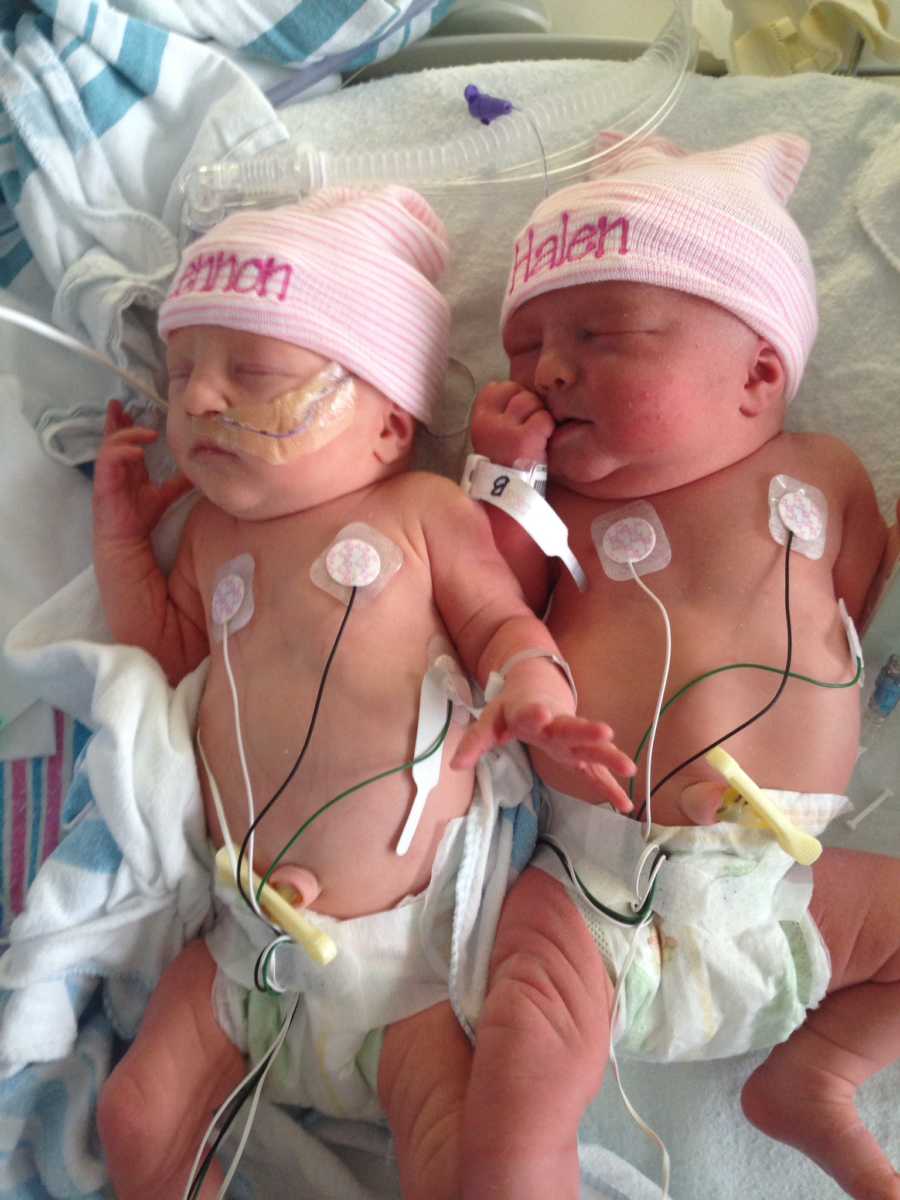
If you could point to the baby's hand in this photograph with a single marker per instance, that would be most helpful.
(126, 504)
(576, 742)
(510, 424)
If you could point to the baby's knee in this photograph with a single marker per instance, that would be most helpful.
(548, 983)
(129, 1127)
(119, 1108)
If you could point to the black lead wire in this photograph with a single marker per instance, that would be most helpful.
(299, 759)
(782, 684)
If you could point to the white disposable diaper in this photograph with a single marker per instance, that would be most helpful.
(389, 965)
(731, 959)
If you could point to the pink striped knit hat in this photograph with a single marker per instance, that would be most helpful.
(713, 224)
(347, 273)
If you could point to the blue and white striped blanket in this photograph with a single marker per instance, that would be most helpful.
(104, 107)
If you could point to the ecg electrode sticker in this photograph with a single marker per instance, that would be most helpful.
(232, 600)
(801, 509)
(359, 557)
(296, 423)
(632, 536)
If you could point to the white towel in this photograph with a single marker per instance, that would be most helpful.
(132, 882)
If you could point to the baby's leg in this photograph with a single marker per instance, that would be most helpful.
(423, 1074)
(157, 1103)
(541, 1050)
(803, 1094)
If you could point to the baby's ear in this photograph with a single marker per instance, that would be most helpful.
(765, 382)
(398, 429)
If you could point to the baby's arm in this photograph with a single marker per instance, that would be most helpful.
(510, 425)
(886, 566)
(863, 534)
(144, 608)
(490, 623)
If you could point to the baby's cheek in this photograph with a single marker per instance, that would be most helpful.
(645, 422)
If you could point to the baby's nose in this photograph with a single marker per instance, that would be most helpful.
(554, 372)
(203, 397)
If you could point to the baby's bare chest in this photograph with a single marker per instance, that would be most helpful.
(715, 551)
(344, 605)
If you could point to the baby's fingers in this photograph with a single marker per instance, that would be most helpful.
(488, 731)
(132, 435)
(116, 418)
(605, 787)
(573, 738)
(494, 397)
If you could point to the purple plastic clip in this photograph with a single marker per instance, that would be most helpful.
(486, 108)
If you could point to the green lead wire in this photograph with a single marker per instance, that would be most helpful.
(736, 667)
(406, 766)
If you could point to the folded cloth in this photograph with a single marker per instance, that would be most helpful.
(784, 37)
(139, 832)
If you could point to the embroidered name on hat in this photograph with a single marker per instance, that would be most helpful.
(558, 248)
(268, 278)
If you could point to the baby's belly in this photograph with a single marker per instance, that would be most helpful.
(806, 742)
(365, 727)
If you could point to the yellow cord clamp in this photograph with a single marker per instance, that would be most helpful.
(317, 944)
(799, 845)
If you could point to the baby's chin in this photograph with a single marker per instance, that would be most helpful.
(575, 465)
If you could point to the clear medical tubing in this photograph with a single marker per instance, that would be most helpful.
(633, 102)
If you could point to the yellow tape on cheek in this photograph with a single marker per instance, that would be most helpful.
(288, 427)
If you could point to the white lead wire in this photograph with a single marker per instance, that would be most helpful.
(245, 772)
(648, 761)
(52, 334)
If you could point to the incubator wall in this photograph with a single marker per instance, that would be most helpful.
(535, 143)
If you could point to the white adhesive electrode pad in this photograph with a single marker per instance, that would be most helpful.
(632, 536)
(453, 681)
(359, 557)
(296, 423)
(232, 600)
(801, 509)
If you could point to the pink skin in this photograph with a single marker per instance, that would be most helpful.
(213, 369)
(645, 388)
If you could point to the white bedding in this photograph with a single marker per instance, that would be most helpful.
(848, 203)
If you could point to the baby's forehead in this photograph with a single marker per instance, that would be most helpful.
(608, 298)
(221, 341)
(605, 300)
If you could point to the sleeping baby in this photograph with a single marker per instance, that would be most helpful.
(657, 320)
(329, 585)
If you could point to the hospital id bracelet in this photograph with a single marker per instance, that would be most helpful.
(518, 493)
(497, 679)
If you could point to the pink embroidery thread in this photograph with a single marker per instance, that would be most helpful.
(205, 274)
(558, 248)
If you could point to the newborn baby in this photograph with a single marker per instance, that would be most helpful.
(657, 320)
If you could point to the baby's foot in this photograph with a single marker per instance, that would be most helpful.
(814, 1111)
